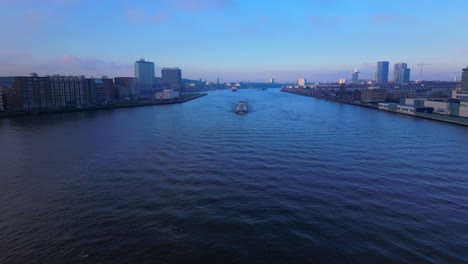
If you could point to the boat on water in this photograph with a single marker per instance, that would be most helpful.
(241, 108)
(234, 89)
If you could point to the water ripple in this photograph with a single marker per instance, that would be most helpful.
(297, 180)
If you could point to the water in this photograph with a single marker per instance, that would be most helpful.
(296, 180)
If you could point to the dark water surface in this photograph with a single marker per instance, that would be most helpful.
(297, 180)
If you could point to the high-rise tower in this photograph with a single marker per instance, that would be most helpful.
(144, 72)
(464, 80)
(355, 76)
(381, 76)
(401, 73)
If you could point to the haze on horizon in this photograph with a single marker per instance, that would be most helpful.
(322, 40)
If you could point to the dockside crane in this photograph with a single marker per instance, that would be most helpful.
(421, 65)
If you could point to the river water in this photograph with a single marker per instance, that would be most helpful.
(295, 180)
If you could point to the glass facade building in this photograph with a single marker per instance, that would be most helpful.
(381, 76)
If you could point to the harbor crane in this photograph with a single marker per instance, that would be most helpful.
(421, 65)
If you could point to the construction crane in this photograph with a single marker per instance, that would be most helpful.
(421, 65)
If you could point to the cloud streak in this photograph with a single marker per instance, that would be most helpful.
(67, 64)
(384, 18)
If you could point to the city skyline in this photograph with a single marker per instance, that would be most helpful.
(233, 40)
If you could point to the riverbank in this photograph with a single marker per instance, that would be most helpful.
(436, 117)
(184, 98)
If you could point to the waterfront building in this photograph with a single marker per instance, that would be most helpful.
(272, 80)
(70, 91)
(401, 73)
(373, 94)
(103, 91)
(355, 76)
(388, 106)
(6, 86)
(462, 109)
(461, 92)
(99, 92)
(1, 99)
(167, 94)
(301, 82)
(12, 99)
(109, 89)
(171, 77)
(128, 87)
(34, 92)
(144, 72)
(381, 76)
(450, 107)
(440, 107)
(411, 110)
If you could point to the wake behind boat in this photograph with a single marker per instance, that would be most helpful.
(241, 108)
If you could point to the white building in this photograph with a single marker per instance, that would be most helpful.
(406, 109)
(167, 95)
(442, 108)
(388, 106)
(460, 93)
(463, 112)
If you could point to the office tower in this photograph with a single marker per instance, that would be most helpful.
(407, 76)
(171, 76)
(144, 72)
(355, 76)
(381, 76)
(401, 73)
(464, 81)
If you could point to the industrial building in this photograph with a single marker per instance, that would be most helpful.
(373, 94)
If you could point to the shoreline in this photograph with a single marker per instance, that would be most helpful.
(100, 107)
(440, 118)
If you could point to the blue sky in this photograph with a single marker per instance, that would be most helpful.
(322, 40)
